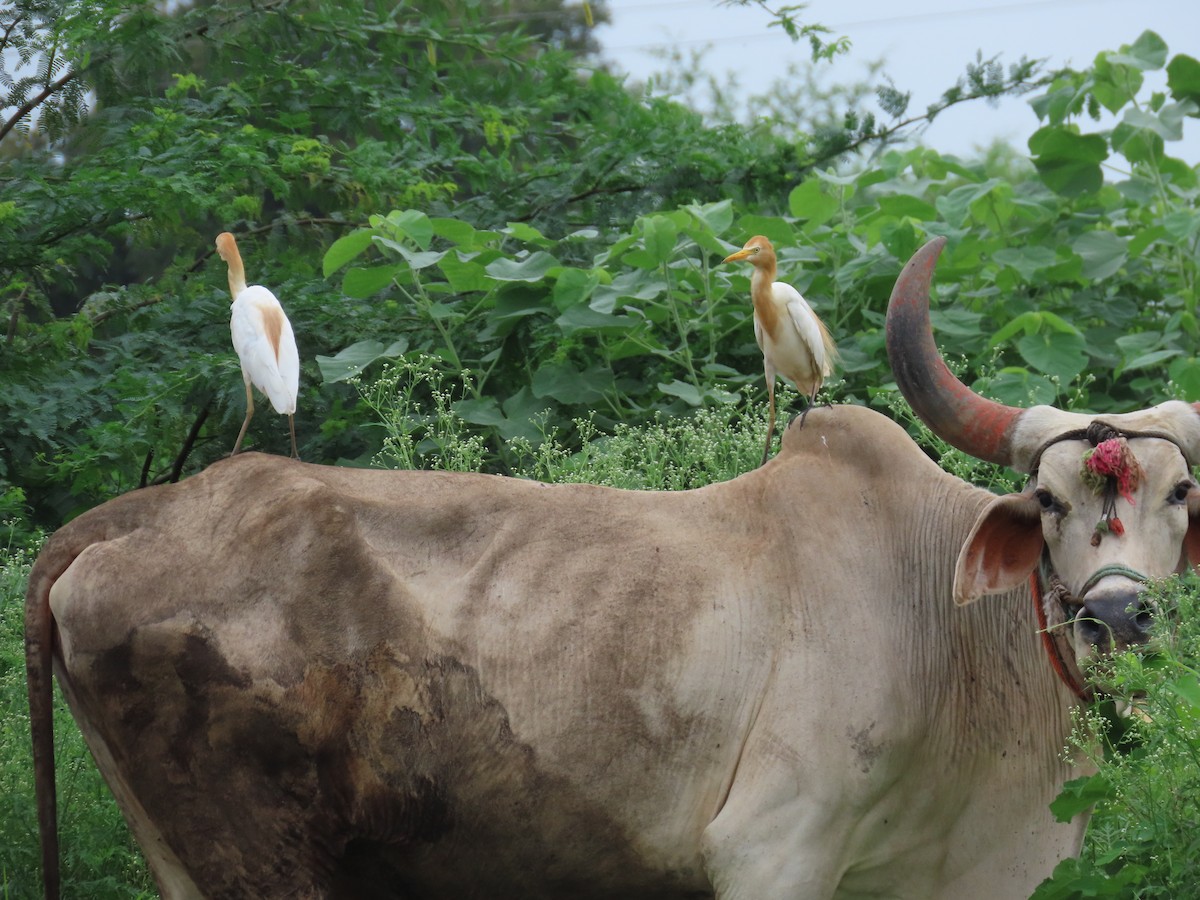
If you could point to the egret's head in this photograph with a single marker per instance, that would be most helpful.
(756, 251)
(226, 246)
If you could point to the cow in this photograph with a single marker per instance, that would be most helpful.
(317, 682)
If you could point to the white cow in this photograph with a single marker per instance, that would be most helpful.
(304, 681)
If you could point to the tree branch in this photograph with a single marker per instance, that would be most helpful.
(34, 102)
(184, 452)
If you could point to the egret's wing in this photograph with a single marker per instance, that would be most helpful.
(263, 339)
(812, 330)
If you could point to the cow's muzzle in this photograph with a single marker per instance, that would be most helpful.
(1114, 615)
(1113, 619)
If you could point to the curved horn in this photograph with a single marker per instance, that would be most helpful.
(954, 412)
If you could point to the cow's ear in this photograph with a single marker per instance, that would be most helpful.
(1003, 548)
(1191, 541)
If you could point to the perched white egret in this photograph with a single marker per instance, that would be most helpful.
(795, 343)
(263, 339)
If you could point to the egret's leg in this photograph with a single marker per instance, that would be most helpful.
(812, 398)
(770, 419)
(292, 429)
(245, 424)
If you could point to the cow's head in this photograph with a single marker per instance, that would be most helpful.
(1110, 504)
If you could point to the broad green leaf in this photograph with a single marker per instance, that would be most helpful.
(1183, 77)
(361, 283)
(464, 275)
(1018, 387)
(659, 234)
(417, 259)
(563, 382)
(345, 249)
(1187, 688)
(533, 268)
(716, 217)
(1169, 128)
(413, 223)
(353, 359)
(1147, 360)
(1182, 224)
(1148, 236)
(517, 304)
(956, 321)
(1185, 373)
(777, 231)
(1147, 53)
(481, 411)
(528, 234)
(636, 284)
(1142, 342)
(521, 413)
(905, 205)
(808, 201)
(1067, 162)
(1103, 253)
(1054, 353)
(955, 206)
(1137, 144)
(1057, 323)
(1081, 879)
(1026, 260)
(584, 318)
(1079, 795)
(574, 286)
(455, 230)
(688, 393)
(1029, 322)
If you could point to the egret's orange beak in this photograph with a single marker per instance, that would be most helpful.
(744, 253)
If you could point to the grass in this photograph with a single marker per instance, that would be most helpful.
(100, 859)
(1143, 840)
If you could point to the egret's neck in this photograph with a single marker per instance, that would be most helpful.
(760, 284)
(237, 278)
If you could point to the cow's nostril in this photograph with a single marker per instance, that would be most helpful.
(1092, 630)
(1144, 620)
(1120, 619)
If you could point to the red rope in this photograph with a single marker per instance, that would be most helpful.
(1052, 651)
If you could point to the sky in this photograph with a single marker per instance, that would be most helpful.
(925, 46)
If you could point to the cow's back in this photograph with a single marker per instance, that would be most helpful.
(423, 683)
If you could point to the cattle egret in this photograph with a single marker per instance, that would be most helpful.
(263, 339)
(795, 343)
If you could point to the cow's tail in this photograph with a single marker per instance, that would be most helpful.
(55, 558)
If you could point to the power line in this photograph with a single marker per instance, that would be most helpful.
(861, 23)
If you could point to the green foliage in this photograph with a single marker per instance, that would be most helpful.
(100, 858)
(1053, 288)
(417, 411)
(1146, 790)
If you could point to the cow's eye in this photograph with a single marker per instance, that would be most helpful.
(1047, 501)
(1181, 492)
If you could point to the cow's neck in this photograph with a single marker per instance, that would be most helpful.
(1054, 625)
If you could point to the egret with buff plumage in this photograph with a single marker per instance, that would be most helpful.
(263, 339)
(795, 343)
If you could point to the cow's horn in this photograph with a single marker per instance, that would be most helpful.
(954, 412)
